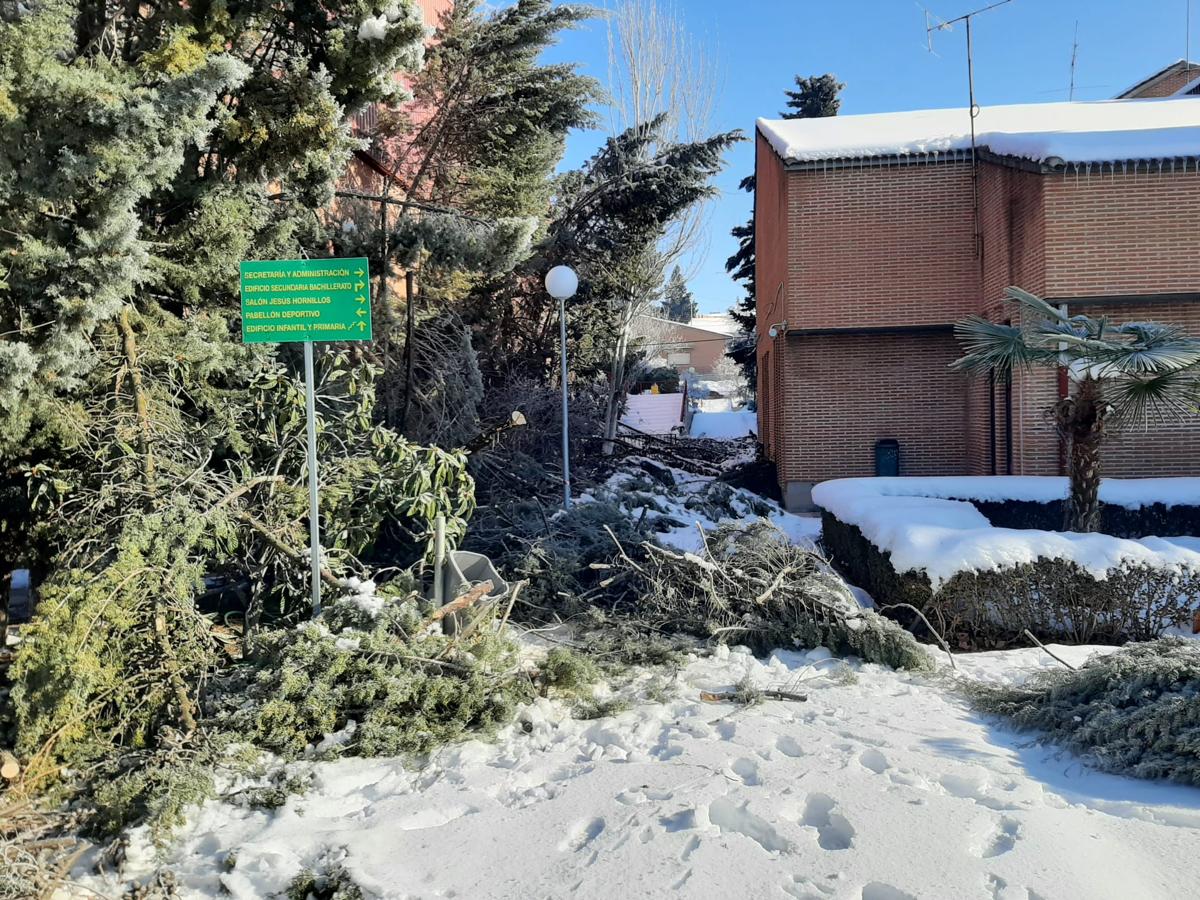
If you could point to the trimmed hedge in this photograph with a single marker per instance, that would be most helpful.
(1053, 598)
(1155, 519)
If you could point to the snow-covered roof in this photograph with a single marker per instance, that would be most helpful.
(719, 325)
(1098, 131)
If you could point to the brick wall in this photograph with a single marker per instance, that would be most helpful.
(1113, 233)
(848, 391)
(771, 272)
(1165, 447)
(894, 248)
(880, 246)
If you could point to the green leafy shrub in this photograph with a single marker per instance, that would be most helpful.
(1135, 711)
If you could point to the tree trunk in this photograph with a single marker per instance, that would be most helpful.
(1080, 420)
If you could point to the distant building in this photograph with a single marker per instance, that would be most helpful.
(1179, 79)
(876, 233)
(695, 347)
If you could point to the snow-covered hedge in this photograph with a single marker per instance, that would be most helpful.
(923, 541)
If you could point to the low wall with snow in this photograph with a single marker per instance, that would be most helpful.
(926, 542)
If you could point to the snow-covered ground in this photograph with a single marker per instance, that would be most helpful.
(726, 425)
(882, 786)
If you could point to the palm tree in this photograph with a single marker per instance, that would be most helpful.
(1120, 373)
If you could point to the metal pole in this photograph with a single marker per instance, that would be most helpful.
(439, 561)
(314, 523)
(566, 443)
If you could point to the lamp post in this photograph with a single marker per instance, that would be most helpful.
(561, 284)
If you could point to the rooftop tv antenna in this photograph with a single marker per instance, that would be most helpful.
(932, 24)
(1074, 59)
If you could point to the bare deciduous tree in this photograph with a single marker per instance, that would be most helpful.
(655, 68)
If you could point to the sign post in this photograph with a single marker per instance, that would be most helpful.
(306, 300)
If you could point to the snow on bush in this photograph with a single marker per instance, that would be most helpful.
(373, 28)
(914, 521)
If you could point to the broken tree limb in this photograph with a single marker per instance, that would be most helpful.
(492, 434)
(732, 696)
(937, 636)
(1029, 634)
(9, 767)
(470, 598)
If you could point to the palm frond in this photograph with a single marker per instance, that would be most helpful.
(1035, 303)
(1166, 396)
(1160, 359)
(992, 347)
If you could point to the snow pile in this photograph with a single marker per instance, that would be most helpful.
(881, 785)
(693, 502)
(911, 519)
(1130, 493)
(1101, 131)
(724, 426)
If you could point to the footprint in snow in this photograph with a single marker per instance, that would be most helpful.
(801, 888)
(874, 761)
(746, 771)
(729, 817)
(582, 834)
(1002, 840)
(877, 890)
(789, 746)
(834, 831)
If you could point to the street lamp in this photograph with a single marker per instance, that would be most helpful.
(561, 284)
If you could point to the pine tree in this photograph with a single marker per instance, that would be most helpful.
(814, 97)
(678, 304)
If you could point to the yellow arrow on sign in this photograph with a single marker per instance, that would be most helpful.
(361, 273)
(361, 299)
(359, 286)
(360, 312)
(362, 326)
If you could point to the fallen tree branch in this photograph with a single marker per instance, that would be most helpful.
(941, 640)
(1029, 634)
(732, 696)
(470, 598)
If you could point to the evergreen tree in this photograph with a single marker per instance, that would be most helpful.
(606, 215)
(470, 183)
(678, 304)
(145, 151)
(814, 98)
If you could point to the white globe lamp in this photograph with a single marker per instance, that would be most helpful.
(562, 282)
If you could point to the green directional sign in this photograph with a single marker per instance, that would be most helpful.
(306, 300)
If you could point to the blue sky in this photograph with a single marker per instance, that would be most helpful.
(877, 47)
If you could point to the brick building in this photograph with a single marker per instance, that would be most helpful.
(876, 233)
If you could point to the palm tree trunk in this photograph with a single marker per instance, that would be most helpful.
(1080, 420)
